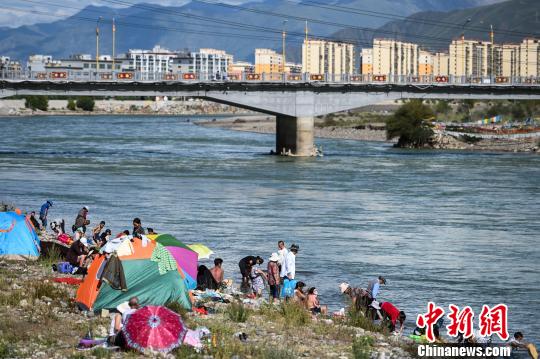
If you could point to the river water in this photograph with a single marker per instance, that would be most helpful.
(450, 227)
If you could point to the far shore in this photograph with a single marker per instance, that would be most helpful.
(267, 124)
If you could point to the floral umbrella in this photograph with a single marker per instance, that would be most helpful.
(154, 329)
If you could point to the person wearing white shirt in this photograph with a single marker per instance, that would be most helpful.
(288, 267)
(282, 252)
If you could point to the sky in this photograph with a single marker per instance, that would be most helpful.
(11, 17)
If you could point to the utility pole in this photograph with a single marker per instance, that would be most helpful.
(492, 39)
(464, 54)
(283, 46)
(306, 31)
(113, 43)
(97, 43)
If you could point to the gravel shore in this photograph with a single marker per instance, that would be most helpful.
(267, 124)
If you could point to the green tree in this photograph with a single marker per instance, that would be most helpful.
(410, 124)
(518, 113)
(36, 102)
(443, 107)
(86, 103)
(71, 105)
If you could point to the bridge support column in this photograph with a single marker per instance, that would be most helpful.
(294, 135)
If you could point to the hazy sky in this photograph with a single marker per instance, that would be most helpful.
(11, 17)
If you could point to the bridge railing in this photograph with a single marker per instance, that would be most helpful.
(85, 75)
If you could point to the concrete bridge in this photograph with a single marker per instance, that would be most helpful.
(294, 104)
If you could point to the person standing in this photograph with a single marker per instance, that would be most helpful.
(43, 213)
(80, 220)
(374, 286)
(288, 267)
(273, 277)
(33, 220)
(245, 266)
(138, 229)
(282, 253)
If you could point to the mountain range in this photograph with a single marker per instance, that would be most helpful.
(511, 20)
(200, 23)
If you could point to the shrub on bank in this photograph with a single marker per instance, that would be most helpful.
(36, 102)
(86, 103)
(410, 125)
(71, 105)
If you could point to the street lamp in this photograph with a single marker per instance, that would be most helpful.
(97, 42)
(283, 46)
(463, 43)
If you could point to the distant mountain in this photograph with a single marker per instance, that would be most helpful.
(145, 25)
(512, 21)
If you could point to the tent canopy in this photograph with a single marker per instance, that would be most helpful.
(18, 239)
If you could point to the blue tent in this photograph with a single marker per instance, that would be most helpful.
(18, 239)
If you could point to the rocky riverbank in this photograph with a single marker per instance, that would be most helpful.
(450, 142)
(40, 320)
(124, 107)
(267, 124)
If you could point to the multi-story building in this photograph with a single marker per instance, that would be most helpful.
(37, 63)
(506, 60)
(8, 65)
(391, 57)
(529, 58)
(441, 62)
(268, 62)
(366, 59)
(425, 63)
(293, 68)
(211, 64)
(327, 57)
(157, 60)
(471, 58)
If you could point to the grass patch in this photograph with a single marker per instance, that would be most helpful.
(46, 289)
(295, 315)
(7, 350)
(237, 312)
(362, 347)
(177, 308)
(53, 256)
(356, 318)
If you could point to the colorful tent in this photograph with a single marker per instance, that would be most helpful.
(153, 272)
(18, 239)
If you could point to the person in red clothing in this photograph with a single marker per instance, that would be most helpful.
(391, 315)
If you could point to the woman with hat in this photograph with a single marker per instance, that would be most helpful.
(273, 277)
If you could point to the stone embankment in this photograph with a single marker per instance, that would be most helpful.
(124, 107)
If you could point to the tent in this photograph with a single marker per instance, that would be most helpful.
(154, 268)
(18, 238)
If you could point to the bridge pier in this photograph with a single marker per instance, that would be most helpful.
(294, 135)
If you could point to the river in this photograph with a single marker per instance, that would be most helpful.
(450, 227)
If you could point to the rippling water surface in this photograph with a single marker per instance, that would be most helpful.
(450, 227)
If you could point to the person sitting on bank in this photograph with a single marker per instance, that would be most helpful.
(119, 319)
(96, 231)
(34, 221)
(217, 271)
(76, 255)
(138, 229)
(313, 304)
(391, 315)
(299, 295)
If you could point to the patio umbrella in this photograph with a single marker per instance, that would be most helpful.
(154, 329)
(203, 251)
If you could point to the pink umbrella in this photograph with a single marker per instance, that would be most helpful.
(154, 328)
